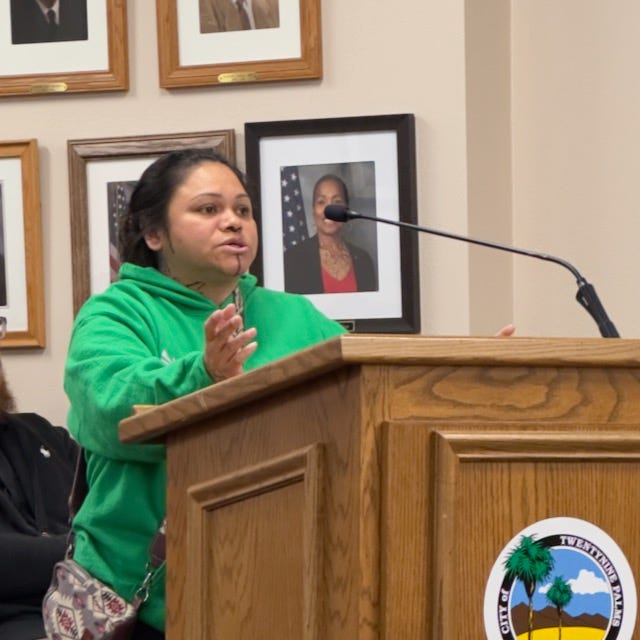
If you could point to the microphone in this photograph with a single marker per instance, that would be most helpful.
(586, 294)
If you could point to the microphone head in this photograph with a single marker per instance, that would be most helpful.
(336, 212)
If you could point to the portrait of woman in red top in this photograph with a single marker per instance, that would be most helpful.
(326, 262)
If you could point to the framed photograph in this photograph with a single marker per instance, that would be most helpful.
(21, 274)
(102, 174)
(76, 46)
(212, 42)
(360, 273)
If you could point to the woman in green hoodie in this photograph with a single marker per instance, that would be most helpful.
(184, 314)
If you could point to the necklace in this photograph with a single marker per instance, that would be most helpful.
(335, 259)
(238, 300)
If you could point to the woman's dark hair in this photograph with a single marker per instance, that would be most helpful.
(7, 402)
(148, 207)
(330, 177)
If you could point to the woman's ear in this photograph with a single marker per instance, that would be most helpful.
(154, 240)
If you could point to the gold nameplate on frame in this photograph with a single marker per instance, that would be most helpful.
(49, 87)
(241, 76)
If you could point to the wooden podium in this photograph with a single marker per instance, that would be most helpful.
(364, 488)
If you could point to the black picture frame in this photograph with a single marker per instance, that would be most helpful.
(378, 152)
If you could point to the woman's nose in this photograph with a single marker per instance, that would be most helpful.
(232, 220)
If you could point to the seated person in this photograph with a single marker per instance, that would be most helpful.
(37, 462)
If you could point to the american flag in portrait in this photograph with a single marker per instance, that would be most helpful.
(118, 194)
(294, 221)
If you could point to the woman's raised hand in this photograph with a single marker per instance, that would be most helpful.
(227, 345)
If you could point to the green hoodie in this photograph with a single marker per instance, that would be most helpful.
(141, 342)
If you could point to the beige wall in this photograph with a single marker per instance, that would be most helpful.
(576, 129)
(537, 92)
(488, 119)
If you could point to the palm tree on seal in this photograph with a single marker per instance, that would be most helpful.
(559, 595)
(530, 562)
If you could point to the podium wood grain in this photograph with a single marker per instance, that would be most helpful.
(365, 487)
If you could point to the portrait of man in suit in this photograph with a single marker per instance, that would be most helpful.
(48, 21)
(238, 15)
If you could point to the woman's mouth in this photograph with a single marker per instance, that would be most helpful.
(237, 246)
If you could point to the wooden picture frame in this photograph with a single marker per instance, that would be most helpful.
(95, 62)
(21, 272)
(93, 166)
(375, 157)
(190, 55)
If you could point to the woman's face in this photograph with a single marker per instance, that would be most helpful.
(211, 235)
(325, 193)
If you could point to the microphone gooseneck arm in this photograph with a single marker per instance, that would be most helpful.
(586, 294)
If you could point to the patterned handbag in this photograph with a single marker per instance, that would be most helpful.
(78, 606)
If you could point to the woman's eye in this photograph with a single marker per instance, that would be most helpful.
(244, 212)
(208, 208)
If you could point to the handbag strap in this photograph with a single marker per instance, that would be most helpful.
(157, 549)
(157, 554)
(79, 488)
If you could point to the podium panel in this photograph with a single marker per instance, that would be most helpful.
(364, 488)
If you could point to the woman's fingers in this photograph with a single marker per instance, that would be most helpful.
(505, 332)
(227, 345)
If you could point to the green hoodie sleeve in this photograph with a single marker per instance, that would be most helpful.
(114, 362)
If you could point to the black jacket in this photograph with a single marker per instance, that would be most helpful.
(29, 24)
(302, 270)
(32, 536)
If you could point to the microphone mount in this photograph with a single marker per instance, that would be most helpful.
(586, 294)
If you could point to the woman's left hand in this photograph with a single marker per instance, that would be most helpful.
(505, 332)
